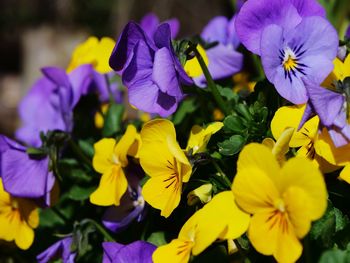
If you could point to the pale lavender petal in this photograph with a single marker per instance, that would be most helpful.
(59, 250)
(56, 75)
(143, 95)
(174, 26)
(255, 15)
(149, 24)
(337, 137)
(164, 74)
(101, 82)
(216, 30)
(308, 114)
(80, 80)
(224, 61)
(327, 104)
(232, 34)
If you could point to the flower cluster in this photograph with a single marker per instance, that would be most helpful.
(219, 155)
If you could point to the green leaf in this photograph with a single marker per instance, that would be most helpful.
(234, 123)
(335, 256)
(79, 193)
(87, 147)
(231, 146)
(228, 93)
(186, 107)
(157, 239)
(113, 119)
(244, 111)
(325, 229)
(48, 218)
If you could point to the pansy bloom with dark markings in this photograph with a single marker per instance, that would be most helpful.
(150, 69)
(150, 22)
(307, 51)
(255, 15)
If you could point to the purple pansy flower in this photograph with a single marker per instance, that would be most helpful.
(59, 250)
(50, 102)
(136, 252)
(150, 22)
(24, 175)
(255, 15)
(132, 205)
(306, 51)
(347, 33)
(150, 69)
(332, 109)
(224, 60)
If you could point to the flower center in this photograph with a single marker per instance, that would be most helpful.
(290, 60)
(279, 205)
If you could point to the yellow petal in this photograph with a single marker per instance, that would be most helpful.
(154, 143)
(28, 211)
(345, 174)
(177, 251)
(6, 230)
(24, 236)
(302, 173)
(200, 137)
(93, 52)
(253, 185)
(298, 205)
(163, 192)
(201, 194)
(124, 144)
(289, 248)
(281, 146)
(324, 147)
(223, 207)
(113, 185)
(102, 160)
(192, 67)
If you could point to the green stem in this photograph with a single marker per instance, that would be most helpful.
(258, 66)
(100, 228)
(76, 149)
(55, 164)
(222, 174)
(211, 84)
(59, 214)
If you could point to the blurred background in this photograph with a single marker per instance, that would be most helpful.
(38, 33)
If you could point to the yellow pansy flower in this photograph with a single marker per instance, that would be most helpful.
(109, 159)
(283, 201)
(200, 137)
(340, 71)
(95, 52)
(18, 218)
(307, 138)
(99, 116)
(192, 67)
(219, 219)
(163, 160)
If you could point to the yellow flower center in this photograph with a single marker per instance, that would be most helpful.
(279, 205)
(290, 63)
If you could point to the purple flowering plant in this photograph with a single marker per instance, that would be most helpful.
(136, 150)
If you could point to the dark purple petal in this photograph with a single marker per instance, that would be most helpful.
(123, 51)
(59, 250)
(255, 15)
(136, 252)
(38, 113)
(56, 75)
(327, 104)
(347, 34)
(24, 176)
(101, 87)
(140, 66)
